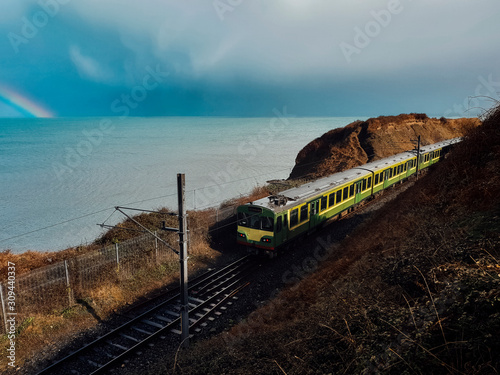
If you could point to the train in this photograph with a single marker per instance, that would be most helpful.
(270, 224)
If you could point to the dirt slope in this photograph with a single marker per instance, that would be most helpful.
(363, 141)
(416, 290)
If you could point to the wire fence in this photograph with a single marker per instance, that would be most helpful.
(58, 286)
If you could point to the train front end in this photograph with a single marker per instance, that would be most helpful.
(256, 228)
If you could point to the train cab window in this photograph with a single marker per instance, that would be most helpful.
(338, 199)
(303, 213)
(331, 200)
(351, 190)
(242, 219)
(254, 221)
(364, 185)
(346, 193)
(323, 203)
(369, 182)
(294, 217)
(267, 223)
(279, 224)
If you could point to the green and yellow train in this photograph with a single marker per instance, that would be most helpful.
(271, 223)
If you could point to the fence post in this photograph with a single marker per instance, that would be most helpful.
(68, 285)
(3, 309)
(117, 258)
(156, 248)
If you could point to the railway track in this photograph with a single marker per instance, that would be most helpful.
(208, 293)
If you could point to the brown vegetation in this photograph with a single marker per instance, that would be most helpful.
(363, 141)
(415, 290)
(46, 331)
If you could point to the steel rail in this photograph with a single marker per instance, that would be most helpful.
(176, 322)
(205, 279)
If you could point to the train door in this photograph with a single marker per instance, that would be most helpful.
(387, 176)
(315, 220)
(279, 233)
(359, 188)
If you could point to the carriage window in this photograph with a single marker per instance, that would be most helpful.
(331, 200)
(294, 217)
(364, 185)
(369, 182)
(323, 203)
(279, 224)
(351, 191)
(339, 196)
(303, 213)
(346, 193)
(377, 176)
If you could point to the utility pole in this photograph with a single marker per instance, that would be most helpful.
(181, 183)
(183, 256)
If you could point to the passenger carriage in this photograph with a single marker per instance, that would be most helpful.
(272, 222)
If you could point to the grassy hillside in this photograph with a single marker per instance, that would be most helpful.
(415, 291)
(364, 141)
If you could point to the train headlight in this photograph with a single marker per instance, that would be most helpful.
(242, 235)
(266, 240)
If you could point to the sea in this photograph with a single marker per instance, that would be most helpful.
(60, 177)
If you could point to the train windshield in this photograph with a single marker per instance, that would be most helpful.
(255, 221)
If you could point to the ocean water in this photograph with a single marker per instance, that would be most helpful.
(60, 177)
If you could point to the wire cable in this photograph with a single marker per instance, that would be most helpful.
(55, 225)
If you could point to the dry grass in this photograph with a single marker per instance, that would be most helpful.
(415, 290)
(45, 332)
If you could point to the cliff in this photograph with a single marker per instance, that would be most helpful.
(364, 141)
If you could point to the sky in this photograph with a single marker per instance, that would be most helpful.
(72, 58)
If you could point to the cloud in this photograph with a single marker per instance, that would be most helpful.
(89, 67)
(261, 52)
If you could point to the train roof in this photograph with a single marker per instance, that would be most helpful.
(298, 195)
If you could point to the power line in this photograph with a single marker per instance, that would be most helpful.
(55, 225)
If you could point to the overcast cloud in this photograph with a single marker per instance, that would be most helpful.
(245, 57)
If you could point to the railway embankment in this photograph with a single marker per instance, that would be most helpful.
(303, 302)
(364, 141)
(414, 289)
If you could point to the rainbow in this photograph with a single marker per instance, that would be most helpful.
(22, 104)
